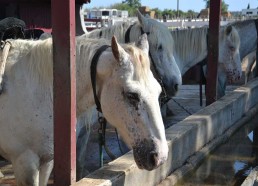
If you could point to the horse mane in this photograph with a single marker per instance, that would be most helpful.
(107, 32)
(239, 24)
(37, 54)
(190, 42)
(86, 48)
(140, 61)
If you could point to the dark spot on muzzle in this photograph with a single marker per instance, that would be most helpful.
(146, 155)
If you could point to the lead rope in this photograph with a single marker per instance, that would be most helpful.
(102, 121)
(102, 142)
(188, 112)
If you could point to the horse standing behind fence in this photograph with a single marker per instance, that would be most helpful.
(249, 66)
(191, 48)
(161, 43)
(131, 105)
(247, 31)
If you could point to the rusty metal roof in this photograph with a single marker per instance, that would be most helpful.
(39, 1)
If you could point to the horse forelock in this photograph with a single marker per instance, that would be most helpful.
(140, 61)
(241, 24)
(233, 38)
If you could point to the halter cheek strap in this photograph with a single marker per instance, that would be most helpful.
(127, 33)
(93, 73)
(102, 120)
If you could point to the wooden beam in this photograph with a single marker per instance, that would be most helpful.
(213, 51)
(63, 24)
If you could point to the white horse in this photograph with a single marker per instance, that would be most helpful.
(131, 105)
(191, 48)
(249, 66)
(161, 43)
(247, 31)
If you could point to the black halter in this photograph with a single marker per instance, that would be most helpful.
(93, 70)
(163, 97)
(102, 121)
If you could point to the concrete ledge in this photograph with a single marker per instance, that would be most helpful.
(184, 139)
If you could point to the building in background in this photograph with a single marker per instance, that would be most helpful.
(250, 12)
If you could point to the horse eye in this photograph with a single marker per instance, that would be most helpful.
(232, 49)
(133, 97)
(160, 47)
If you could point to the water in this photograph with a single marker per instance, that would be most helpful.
(231, 162)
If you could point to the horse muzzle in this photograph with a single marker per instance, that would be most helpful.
(233, 75)
(148, 156)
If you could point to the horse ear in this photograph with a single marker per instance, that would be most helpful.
(141, 18)
(117, 50)
(143, 43)
(228, 30)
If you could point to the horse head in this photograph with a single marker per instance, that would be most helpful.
(129, 101)
(229, 57)
(161, 52)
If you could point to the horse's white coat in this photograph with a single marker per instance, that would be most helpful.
(191, 48)
(26, 112)
(249, 64)
(161, 47)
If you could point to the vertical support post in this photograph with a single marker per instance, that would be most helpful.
(256, 25)
(213, 51)
(63, 25)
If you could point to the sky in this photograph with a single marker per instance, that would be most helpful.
(184, 5)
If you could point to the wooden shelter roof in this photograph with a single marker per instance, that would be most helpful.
(39, 1)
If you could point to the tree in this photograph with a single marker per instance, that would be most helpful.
(169, 13)
(133, 3)
(158, 12)
(190, 14)
(224, 6)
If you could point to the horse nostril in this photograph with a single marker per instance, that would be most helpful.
(153, 159)
(176, 87)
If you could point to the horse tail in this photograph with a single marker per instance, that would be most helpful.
(5, 47)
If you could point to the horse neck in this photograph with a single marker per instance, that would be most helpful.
(190, 47)
(135, 32)
(85, 50)
(31, 62)
(107, 33)
(248, 36)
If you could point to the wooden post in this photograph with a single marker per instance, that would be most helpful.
(63, 25)
(213, 51)
(256, 25)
